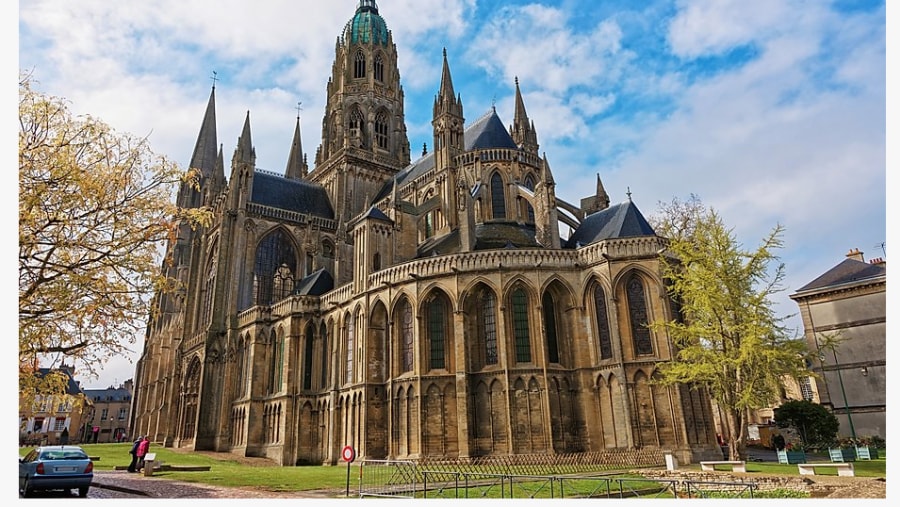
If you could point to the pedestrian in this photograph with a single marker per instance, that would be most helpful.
(132, 467)
(142, 449)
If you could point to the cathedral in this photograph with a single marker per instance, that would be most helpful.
(409, 308)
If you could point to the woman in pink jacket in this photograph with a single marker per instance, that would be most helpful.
(142, 449)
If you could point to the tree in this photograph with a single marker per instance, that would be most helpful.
(95, 207)
(816, 426)
(726, 334)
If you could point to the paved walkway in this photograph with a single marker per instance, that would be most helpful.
(157, 487)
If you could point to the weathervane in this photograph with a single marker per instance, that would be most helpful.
(214, 79)
(299, 108)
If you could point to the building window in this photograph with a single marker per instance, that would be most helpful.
(59, 424)
(359, 65)
(488, 326)
(529, 209)
(351, 338)
(602, 323)
(429, 224)
(498, 197)
(406, 335)
(379, 67)
(376, 262)
(381, 130)
(520, 326)
(806, 389)
(549, 310)
(356, 125)
(273, 274)
(104, 414)
(436, 329)
(637, 310)
(323, 333)
(123, 414)
(308, 359)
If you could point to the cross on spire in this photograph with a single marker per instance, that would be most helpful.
(299, 108)
(214, 79)
(628, 193)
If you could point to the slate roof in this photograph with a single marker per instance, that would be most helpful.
(113, 394)
(487, 132)
(316, 283)
(291, 195)
(72, 387)
(623, 220)
(847, 272)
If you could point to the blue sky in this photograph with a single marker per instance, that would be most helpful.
(771, 111)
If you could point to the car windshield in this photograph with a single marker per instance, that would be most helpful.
(63, 454)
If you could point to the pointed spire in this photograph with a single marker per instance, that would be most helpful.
(245, 149)
(520, 117)
(602, 196)
(446, 90)
(218, 180)
(204, 156)
(522, 129)
(548, 175)
(296, 165)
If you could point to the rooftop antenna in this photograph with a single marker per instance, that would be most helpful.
(881, 246)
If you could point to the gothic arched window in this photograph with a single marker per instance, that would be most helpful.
(356, 124)
(637, 312)
(275, 261)
(437, 329)
(308, 359)
(406, 337)
(487, 325)
(381, 130)
(520, 326)
(379, 67)
(498, 197)
(602, 322)
(323, 334)
(529, 209)
(359, 65)
(549, 310)
(351, 336)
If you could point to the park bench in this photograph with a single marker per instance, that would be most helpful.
(736, 466)
(843, 469)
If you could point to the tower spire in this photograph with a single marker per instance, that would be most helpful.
(522, 130)
(203, 158)
(296, 165)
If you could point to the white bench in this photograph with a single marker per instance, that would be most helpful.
(736, 466)
(843, 469)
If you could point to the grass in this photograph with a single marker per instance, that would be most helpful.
(232, 473)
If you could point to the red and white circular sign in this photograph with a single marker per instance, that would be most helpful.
(348, 454)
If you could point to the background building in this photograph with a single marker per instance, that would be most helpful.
(54, 419)
(409, 308)
(848, 301)
(111, 414)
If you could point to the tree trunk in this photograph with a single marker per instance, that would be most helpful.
(737, 433)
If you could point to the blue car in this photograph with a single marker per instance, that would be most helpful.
(53, 467)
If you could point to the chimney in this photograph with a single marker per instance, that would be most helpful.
(878, 261)
(856, 255)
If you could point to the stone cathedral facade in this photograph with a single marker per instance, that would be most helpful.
(409, 308)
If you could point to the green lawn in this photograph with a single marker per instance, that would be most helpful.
(227, 472)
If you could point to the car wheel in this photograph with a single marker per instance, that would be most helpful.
(26, 490)
(82, 492)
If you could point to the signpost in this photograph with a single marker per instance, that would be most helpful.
(348, 454)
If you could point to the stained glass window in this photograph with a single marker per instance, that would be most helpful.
(637, 310)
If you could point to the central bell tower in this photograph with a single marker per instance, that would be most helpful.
(364, 140)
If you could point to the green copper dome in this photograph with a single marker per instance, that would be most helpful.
(366, 26)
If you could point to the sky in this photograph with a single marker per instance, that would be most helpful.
(772, 112)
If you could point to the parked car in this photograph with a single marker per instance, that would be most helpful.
(55, 467)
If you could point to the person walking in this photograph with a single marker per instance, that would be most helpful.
(132, 467)
(142, 449)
